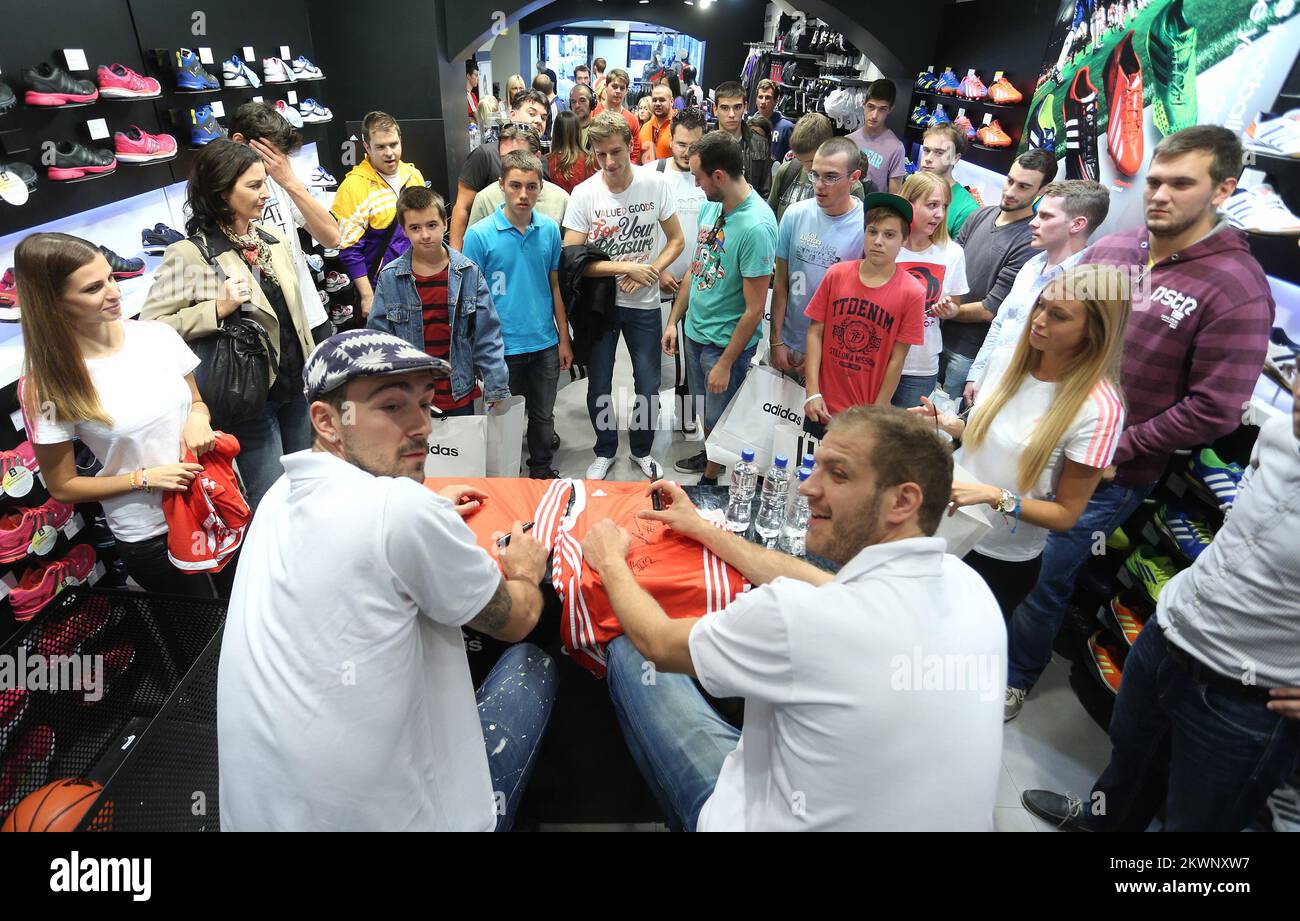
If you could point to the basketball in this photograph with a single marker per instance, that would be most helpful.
(57, 806)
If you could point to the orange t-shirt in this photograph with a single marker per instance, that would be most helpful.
(657, 138)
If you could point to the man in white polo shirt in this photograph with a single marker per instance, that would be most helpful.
(344, 699)
(871, 697)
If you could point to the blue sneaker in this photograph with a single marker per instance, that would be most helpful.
(190, 75)
(157, 238)
(1186, 530)
(920, 115)
(938, 117)
(947, 84)
(204, 128)
(1221, 479)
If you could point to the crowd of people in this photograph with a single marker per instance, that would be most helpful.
(1066, 369)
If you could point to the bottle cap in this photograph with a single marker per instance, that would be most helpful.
(781, 461)
(808, 460)
(747, 455)
(805, 472)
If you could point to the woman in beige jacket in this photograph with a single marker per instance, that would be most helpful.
(231, 264)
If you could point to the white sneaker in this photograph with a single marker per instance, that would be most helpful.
(599, 468)
(1014, 702)
(276, 71)
(1275, 134)
(291, 115)
(234, 72)
(304, 69)
(649, 466)
(314, 113)
(1260, 210)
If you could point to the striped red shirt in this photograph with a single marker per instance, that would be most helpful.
(437, 336)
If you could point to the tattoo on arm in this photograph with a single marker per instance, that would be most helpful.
(495, 614)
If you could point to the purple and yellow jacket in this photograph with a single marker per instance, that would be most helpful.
(365, 205)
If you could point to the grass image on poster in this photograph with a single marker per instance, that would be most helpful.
(1107, 62)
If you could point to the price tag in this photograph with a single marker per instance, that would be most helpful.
(293, 98)
(76, 59)
(248, 54)
(284, 52)
(18, 481)
(257, 99)
(95, 574)
(218, 109)
(74, 526)
(997, 75)
(43, 540)
(205, 56)
(98, 128)
(16, 417)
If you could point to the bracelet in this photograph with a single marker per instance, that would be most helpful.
(144, 479)
(135, 485)
(811, 398)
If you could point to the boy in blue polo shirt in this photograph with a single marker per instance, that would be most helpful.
(519, 253)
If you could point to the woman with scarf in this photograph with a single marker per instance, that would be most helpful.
(231, 265)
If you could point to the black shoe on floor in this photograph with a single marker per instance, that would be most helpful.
(1065, 812)
(555, 441)
(707, 481)
(693, 464)
(543, 473)
(122, 268)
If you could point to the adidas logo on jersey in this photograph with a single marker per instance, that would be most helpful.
(444, 452)
(783, 412)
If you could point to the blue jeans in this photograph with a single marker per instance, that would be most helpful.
(700, 359)
(911, 388)
(953, 368)
(641, 330)
(514, 705)
(1210, 756)
(283, 428)
(1037, 619)
(677, 740)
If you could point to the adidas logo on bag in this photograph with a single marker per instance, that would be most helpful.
(444, 452)
(783, 412)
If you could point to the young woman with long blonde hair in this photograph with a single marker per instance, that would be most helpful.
(1045, 425)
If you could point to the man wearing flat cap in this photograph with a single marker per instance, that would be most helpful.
(344, 698)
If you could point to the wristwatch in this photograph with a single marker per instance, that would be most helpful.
(1007, 502)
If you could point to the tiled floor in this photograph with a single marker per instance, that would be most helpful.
(1053, 744)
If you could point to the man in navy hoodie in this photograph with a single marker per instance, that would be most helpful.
(1193, 351)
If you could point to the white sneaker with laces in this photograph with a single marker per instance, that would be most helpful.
(1260, 210)
(649, 466)
(599, 468)
(1014, 702)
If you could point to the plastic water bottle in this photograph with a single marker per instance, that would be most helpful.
(771, 510)
(744, 478)
(808, 460)
(795, 528)
(473, 137)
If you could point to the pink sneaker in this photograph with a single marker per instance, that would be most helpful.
(17, 527)
(118, 82)
(39, 585)
(17, 470)
(135, 145)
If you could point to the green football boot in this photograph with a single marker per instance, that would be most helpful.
(1171, 49)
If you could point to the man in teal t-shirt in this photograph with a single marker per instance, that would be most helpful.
(725, 292)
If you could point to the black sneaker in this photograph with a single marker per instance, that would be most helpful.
(707, 481)
(7, 99)
(543, 473)
(73, 161)
(122, 268)
(156, 239)
(1064, 812)
(694, 464)
(48, 85)
(23, 172)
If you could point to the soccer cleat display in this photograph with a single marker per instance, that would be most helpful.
(947, 84)
(304, 69)
(1131, 610)
(39, 585)
(1042, 127)
(135, 145)
(972, 88)
(1106, 661)
(1123, 80)
(156, 239)
(122, 268)
(48, 85)
(1171, 52)
(1275, 134)
(190, 75)
(938, 117)
(1002, 93)
(1186, 530)
(1152, 572)
(290, 114)
(236, 72)
(313, 113)
(992, 135)
(1081, 129)
(275, 70)
(1216, 476)
(119, 82)
(72, 161)
(322, 180)
(920, 115)
(204, 128)
(20, 526)
(962, 123)
(1260, 210)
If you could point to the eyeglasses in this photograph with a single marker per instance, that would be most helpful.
(823, 178)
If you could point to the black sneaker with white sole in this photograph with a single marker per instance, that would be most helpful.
(1063, 811)
(693, 464)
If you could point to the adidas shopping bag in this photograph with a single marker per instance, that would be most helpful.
(457, 447)
(765, 399)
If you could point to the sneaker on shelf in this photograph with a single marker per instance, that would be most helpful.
(135, 145)
(1118, 540)
(1283, 356)
(962, 123)
(8, 101)
(331, 253)
(1002, 93)
(1151, 571)
(324, 297)
(322, 180)
(75, 634)
(1130, 610)
(972, 87)
(920, 115)
(275, 70)
(18, 470)
(73, 161)
(190, 75)
(1275, 134)
(947, 84)
(20, 525)
(340, 314)
(1013, 703)
(1042, 126)
(938, 117)
(929, 80)
(992, 135)
(204, 127)
(336, 281)
(313, 113)
(1124, 129)
(1061, 811)
(649, 466)
(290, 114)
(1218, 477)
(17, 182)
(50, 85)
(1171, 54)
(693, 464)
(1261, 210)
(40, 584)
(1107, 661)
(304, 69)
(599, 468)
(156, 239)
(922, 81)
(315, 263)
(1081, 129)
(122, 268)
(1188, 531)
(235, 72)
(119, 82)
(8, 289)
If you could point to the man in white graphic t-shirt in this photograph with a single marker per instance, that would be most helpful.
(630, 213)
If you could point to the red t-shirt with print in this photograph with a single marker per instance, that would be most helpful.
(437, 336)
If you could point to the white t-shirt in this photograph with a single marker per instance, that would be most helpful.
(941, 270)
(144, 392)
(344, 698)
(1090, 440)
(690, 198)
(850, 721)
(285, 216)
(625, 226)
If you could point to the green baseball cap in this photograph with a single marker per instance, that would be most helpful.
(892, 202)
